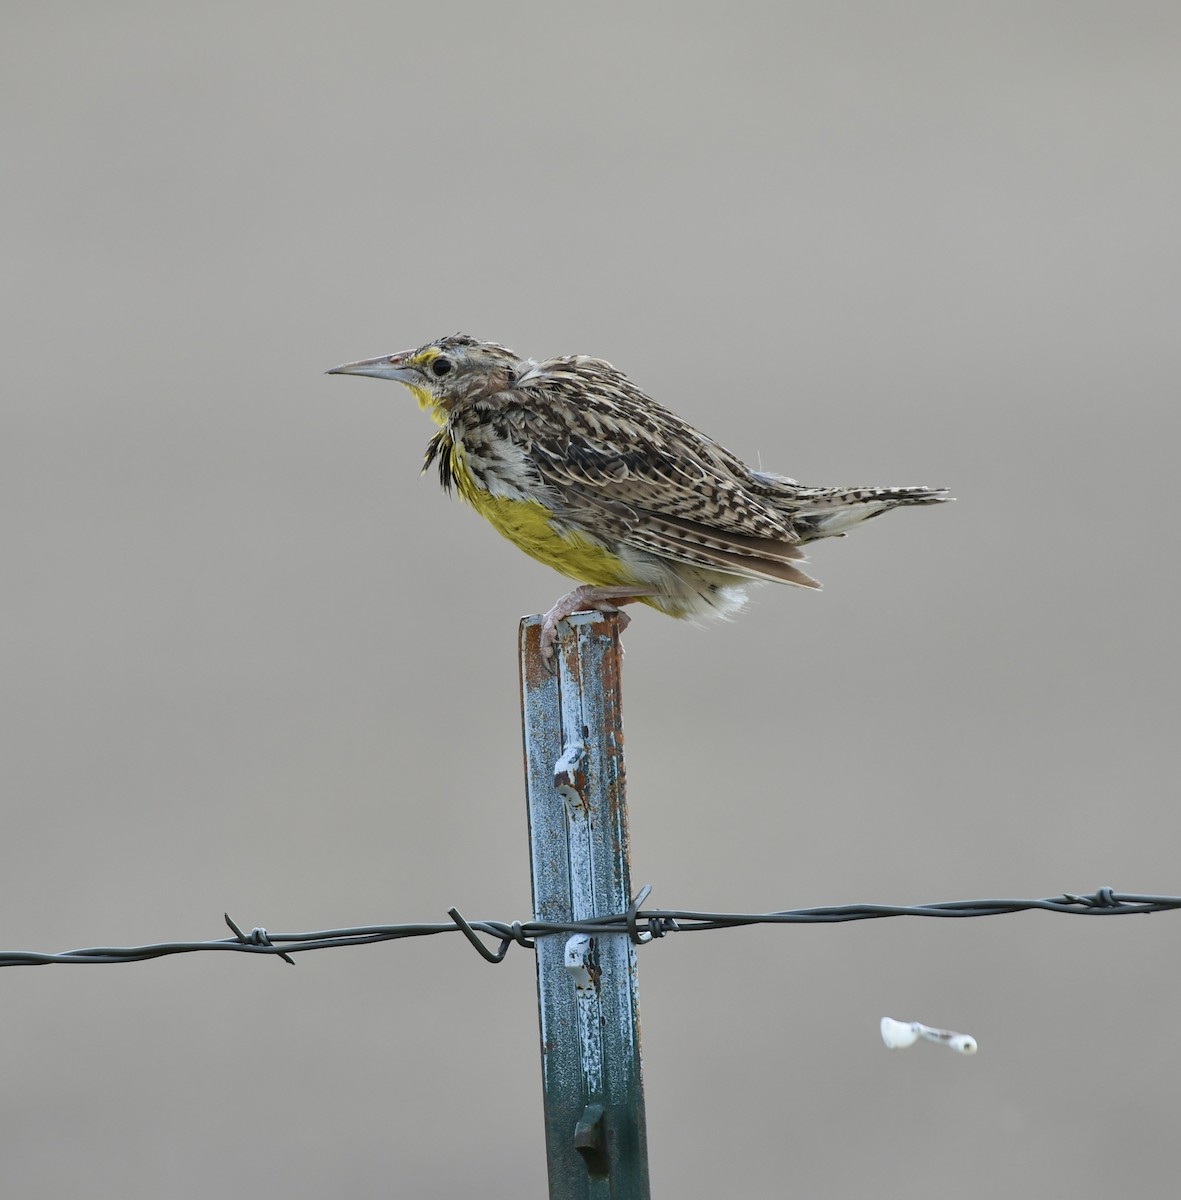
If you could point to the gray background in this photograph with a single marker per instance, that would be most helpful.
(252, 662)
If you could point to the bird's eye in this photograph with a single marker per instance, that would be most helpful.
(440, 366)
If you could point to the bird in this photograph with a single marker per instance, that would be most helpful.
(568, 459)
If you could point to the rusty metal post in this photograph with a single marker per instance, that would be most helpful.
(595, 1130)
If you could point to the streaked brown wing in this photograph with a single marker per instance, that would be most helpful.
(691, 542)
(622, 463)
(657, 495)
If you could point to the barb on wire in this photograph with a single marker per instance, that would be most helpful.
(516, 934)
(1104, 902)
(256, 937)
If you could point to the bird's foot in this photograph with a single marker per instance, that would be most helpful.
(585, 598)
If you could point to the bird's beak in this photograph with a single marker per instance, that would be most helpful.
(388, 366)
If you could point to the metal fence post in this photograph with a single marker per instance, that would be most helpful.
(595, 1132)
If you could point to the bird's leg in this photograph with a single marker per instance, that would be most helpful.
(585, 598)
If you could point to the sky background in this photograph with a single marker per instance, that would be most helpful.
(252, 663)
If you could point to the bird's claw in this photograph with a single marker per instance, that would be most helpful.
(582, 599)
(549, 637)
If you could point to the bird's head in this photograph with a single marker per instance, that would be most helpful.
(444, 372)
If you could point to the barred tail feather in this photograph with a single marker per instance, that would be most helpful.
(830, 512)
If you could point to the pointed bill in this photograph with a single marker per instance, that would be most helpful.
(387, 366)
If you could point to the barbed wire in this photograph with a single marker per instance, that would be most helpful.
(640, 925)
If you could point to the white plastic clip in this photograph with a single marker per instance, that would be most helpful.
(569, 780)
(578, 963)
(897, 1034)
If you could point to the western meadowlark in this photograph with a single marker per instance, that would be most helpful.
(570, 461)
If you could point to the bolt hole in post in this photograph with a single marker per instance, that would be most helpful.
(596, 1139)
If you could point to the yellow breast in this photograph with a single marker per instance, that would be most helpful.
(527, 524)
